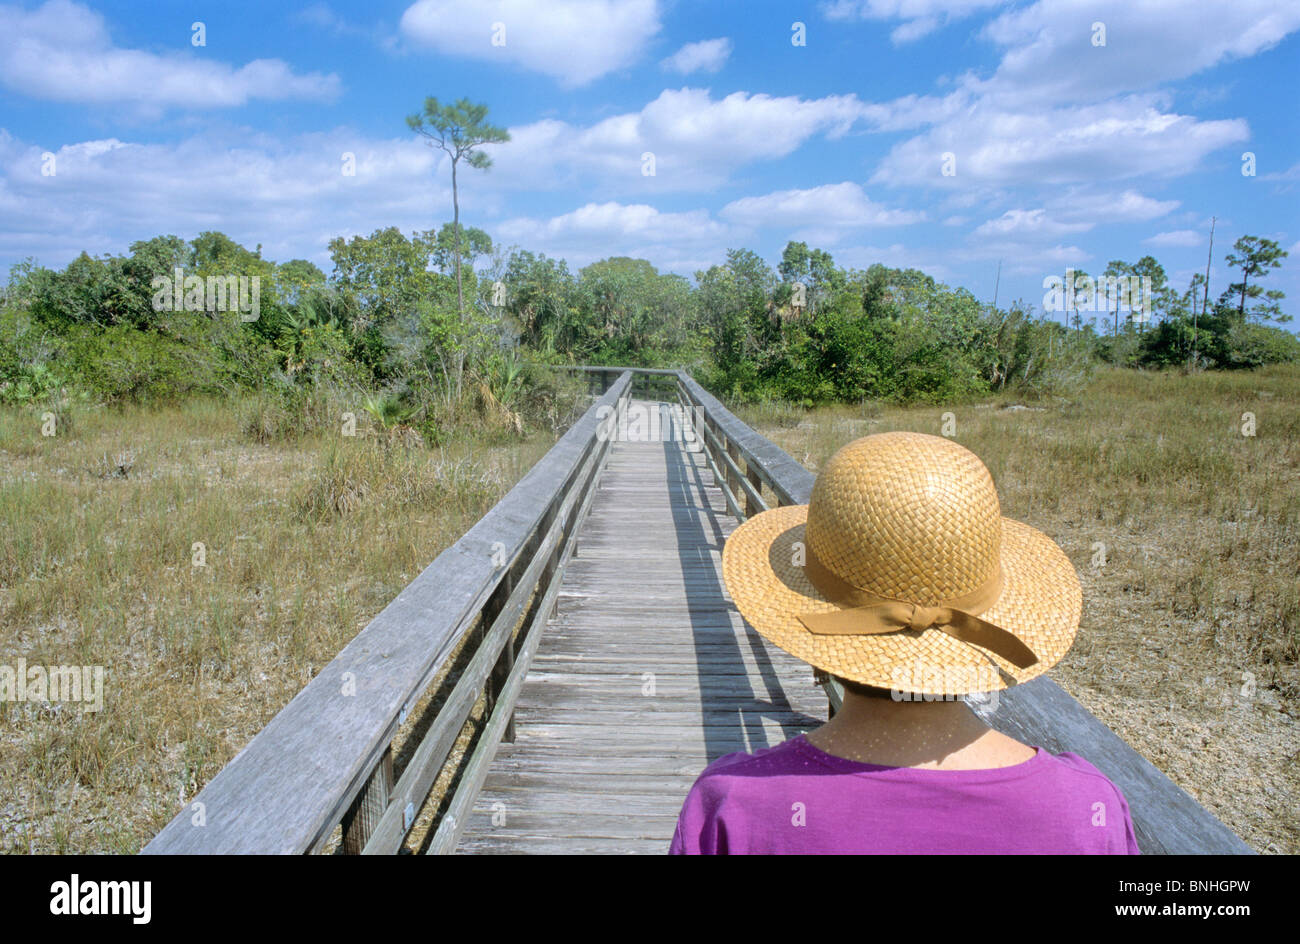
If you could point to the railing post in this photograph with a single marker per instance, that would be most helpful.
(552, 562)
(364, 814)
(755, 480)
(506, 661)
(712, 445)
(733, 480)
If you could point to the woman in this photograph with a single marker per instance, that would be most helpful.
(901, 579)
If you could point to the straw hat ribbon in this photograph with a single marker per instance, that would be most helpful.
(866, 613)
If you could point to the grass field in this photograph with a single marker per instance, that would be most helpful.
(303, 541)
(1186, 536)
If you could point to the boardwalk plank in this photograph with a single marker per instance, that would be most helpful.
(597, 766)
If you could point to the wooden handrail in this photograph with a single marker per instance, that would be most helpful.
(326, 756)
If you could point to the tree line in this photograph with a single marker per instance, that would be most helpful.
(422, 324)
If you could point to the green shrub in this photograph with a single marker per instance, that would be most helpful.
(1254, 345)
(550, 398)
(1220, 341)
(122, 363)
(29, 364)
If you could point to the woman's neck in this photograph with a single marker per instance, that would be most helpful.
(944, 735)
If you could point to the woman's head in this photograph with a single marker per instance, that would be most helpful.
(901, 575)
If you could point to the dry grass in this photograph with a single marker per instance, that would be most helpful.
(1191, 626)
(305, 539)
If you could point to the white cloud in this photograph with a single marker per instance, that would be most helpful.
(1104, 207)
(1058, 110)
(61, 51)
(1029, 223)
(322, 17)
(1050, 57)
(616, 221)
(709, 55)
(696, 141)
(680, 242)
(1175, 238)
(289, 194)
(1027, 257)
(1124, 138)
(921, 16)
(573, 41)
(828, 207)
(1290, 174)
(896, 256)
(1077, 211)
(914, 111)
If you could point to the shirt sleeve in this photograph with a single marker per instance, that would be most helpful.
(677, 846)
(1130, 834)
(698, 831)
(690, 825)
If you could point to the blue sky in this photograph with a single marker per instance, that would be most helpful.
(1066, 152)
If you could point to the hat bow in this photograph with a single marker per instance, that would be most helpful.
(865, 613)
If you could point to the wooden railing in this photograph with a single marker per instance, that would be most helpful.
(326, 759)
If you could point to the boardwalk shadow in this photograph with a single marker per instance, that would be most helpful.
(731, 714)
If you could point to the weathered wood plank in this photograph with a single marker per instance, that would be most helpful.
(448, 832)
(562, 828)
(644, 594)
(429, 757)
(592, 784)
(788, 479)
(521, 844)
(507, 802)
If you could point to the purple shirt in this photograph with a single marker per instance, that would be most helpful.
(795, 798)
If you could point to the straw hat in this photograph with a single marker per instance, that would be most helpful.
(901, 573)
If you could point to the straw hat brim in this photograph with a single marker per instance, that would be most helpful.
(1040, 602)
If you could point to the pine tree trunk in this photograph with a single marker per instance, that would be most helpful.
(460, 293)
(455, 204)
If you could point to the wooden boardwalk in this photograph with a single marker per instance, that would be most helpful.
(643, 676)
(646, 674)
